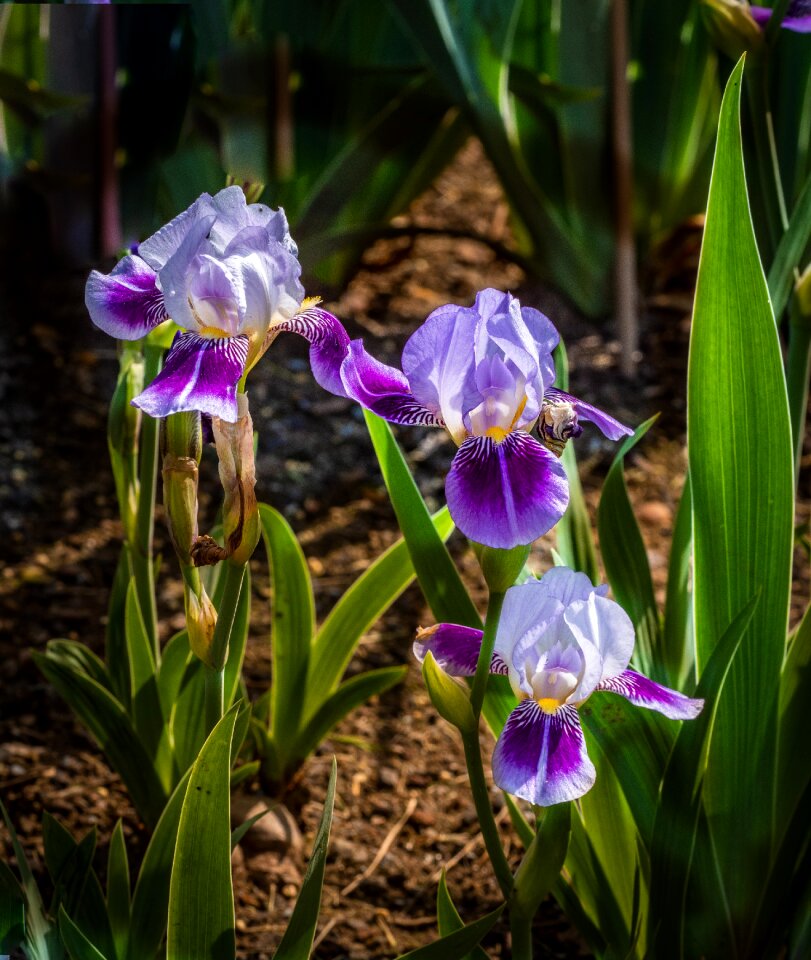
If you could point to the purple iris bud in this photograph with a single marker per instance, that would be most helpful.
(226, 272)
(559, 640)
(485, 373)
(797, 18)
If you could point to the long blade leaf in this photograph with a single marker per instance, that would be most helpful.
(741, 474)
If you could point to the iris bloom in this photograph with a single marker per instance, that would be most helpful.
(485, 373)
(559, 640)
(797, 18)
(226, 272)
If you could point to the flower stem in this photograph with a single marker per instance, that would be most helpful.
(486, 653)
(798, 365)
(232, 587)
(142, 560)
(214, 692)
(473, 755)
(520, 935)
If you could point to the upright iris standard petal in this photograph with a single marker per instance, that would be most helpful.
(643, 692)
(439, 365)
(200, 373)
(505, 493)
(126, 304)
(541, 757)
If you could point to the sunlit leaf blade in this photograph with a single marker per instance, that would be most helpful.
(109, 724)
(636, 744)
(357, 609)
(298, 937)
(741, 473)
(201, 896)
(544, 859)
(292, 611)
(115, 646)
(150, 898)
(76, 943)
(677, 813)
(790, 250)
(676, 652)
(351, 694)
(448, 919)
(438, 578)
(145, 706)
(625, 559)
(118, 891)
(239, 638)
(41, 939)
(601, 859)
(793, 759)
(456, 945)
(188, 693)
(76, 886)
(239, 832)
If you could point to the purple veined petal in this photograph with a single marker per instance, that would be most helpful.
(382, 389)
(525, 607)
(199, 373)
(797, 18)
(163, 244)
(604, 625)
(126, 304)
(612, 428)
(568, 585)
(269, 276)
(508, 493)
(234, 214)
(186, 277)
(643, 692)
(455, 649)
(439, 365)
(541, 757)
(329, 344)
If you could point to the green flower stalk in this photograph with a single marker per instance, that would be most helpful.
(240, 513)
(123, 427)
(182, 441)
(798, 365)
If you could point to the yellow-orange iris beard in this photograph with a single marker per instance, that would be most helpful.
(549, 704)
(214, 333)
(499, 433)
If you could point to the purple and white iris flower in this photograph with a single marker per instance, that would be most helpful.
(797, 18)
(226, 273)
(485, 373)
(559, 640)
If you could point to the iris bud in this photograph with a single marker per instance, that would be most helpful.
(182, 448)
(802, 292)
(201, 619)
(123, 428)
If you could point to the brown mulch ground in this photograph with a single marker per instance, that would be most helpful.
(401, 773)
